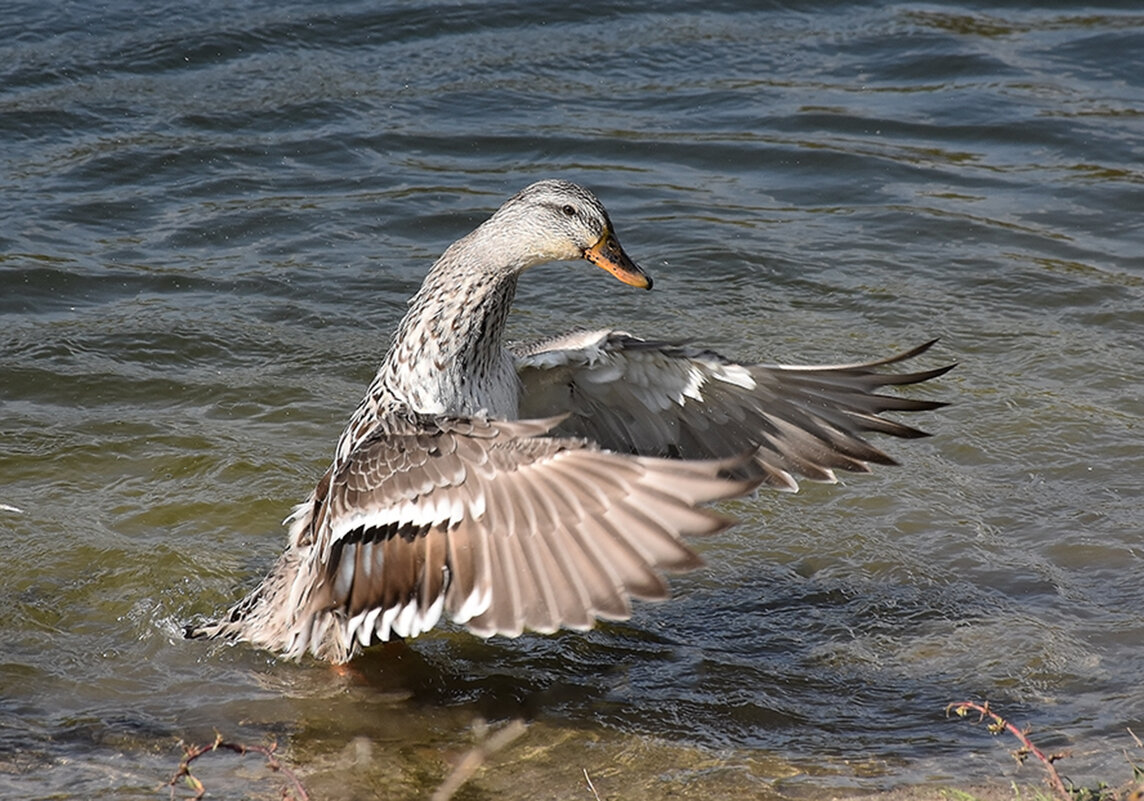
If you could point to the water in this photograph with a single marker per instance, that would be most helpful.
(211, 216)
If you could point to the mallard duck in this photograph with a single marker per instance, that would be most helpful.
(542, 486)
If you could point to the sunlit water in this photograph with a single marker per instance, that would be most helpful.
(210, 218)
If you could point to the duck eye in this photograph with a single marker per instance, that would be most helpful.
(569, 210)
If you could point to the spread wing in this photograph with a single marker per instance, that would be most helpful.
(499, 527)
(679, 401)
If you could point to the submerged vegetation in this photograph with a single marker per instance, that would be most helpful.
(488, 741)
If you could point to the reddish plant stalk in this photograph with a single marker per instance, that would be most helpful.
(999, 725)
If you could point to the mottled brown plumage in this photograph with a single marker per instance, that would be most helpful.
(548, 485)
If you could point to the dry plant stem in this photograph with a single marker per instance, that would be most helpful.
(476, 757)
(999, 725)
(193, 752)
(591, 786)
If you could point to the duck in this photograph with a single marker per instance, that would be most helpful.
(545, 485)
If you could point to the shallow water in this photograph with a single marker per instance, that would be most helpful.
(211, 217)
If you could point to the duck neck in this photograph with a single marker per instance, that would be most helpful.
(448, 355)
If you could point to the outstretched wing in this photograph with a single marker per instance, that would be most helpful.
(679, 401)
(499, 527)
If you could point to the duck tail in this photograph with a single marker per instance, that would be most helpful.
(282, 615)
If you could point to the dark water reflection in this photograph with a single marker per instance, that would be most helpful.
(211, 217)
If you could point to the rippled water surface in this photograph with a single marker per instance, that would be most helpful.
(211, 216)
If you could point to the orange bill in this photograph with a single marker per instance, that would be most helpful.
(608, 255)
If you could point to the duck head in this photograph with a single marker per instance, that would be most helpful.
(556, 220)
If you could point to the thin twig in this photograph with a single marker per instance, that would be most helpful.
(591, 786)
(193, 752)
(476, 757)
(999, 725)
(1136, 794)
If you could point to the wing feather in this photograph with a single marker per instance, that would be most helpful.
(555, 552)
(679, 401)
(600, 588)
